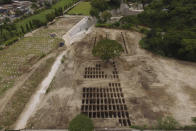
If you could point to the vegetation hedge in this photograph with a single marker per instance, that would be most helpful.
(81, 123)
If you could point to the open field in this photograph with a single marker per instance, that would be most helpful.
(25, 57)
(83, 8)
(151, 87)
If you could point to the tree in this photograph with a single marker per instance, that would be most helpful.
(1, 28)
(106, 16)
(81, 123)
(100, 5)
(56, 12)
(167, 123)
(7, 20)
(37, 23)
(18, 12)
(31, 25)
(50, 16)
(22, 29)
(107, 49)
(60, 11)
(47, 4)
(27, 27)
(115, 3)
(34, 6)
(94, 12)
(5, 1)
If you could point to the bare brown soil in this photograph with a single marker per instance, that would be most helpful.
(153, 86)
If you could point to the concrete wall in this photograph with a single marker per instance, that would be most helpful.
(79, 30)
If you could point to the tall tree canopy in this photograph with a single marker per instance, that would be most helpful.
(99, 6)
(173, 24)
(107, 49)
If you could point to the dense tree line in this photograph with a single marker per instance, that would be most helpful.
(143, 2)
(5, 1)
(10, 32)
(172, 27)
(100, 9)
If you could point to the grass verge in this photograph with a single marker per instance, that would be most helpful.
(83, 8)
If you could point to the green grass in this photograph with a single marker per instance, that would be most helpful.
(81, 123)
(83, 8)
(22, 95)
(19, 57)
(42, 15)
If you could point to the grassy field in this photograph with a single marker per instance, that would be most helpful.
(13, 109)
(18, 58)
(83, 8)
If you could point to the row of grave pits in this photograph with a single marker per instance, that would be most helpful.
(123, 117)
(107, 114)
(95, 72)
(102, 95)
(101, 76)
(107, 89)
(105, 102)
(96, 68)
(103, 107)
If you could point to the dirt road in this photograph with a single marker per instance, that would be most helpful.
(39, 94)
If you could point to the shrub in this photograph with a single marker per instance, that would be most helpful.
(139, 127)
(191, 127)
(126, 26)
(42, 55)
(116, 24)
(143, 30)
(81, 123)
(106, 16)
(129, 20)
(194, 119)
(167, 123)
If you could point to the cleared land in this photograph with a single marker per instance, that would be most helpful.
(20, 60)
(83, 8)
(153, 87)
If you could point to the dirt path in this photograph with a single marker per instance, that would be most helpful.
(21, 81)
(36, 98)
